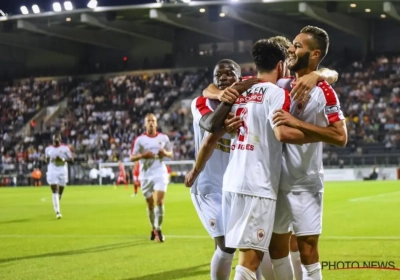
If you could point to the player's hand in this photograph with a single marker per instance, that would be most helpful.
(147, 155)
(245, 85)
(228, 95)
(282, 117)
(303, 86)
(162, 153)
(58, 161)
(190, 177)
(232, 123)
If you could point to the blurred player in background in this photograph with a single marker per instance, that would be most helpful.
(57, 157)
(136, 182)
(299, 200)
(149, 149)
(211, 161)
(121, 175)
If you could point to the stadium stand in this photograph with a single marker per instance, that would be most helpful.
(102, 119)
(104, 116)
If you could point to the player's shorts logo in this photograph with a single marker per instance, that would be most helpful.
(260, 234)
(212, 223)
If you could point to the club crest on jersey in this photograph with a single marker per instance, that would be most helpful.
(212, 223)
(260, 234)
(301, 105)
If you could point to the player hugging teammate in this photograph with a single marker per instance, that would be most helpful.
(262, 173)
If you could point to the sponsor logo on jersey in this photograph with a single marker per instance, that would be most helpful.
(247, 147)
(241, 100)
(255, 97)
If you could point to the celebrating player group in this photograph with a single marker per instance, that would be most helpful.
(258, 181)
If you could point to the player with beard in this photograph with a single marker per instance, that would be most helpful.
(300, 194)
(57, 156)
(205, 179)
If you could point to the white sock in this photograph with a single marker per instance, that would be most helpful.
(159, 212)
(221, 265)
(296, 263)
(266, 267)
(312, 271)
(151, 215)
(56, 203)
(282, 269)
(243, 273)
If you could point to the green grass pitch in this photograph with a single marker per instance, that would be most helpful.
(104, 234)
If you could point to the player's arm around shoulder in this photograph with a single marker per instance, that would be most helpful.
(335, 133)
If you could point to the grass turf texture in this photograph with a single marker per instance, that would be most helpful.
(104, 234)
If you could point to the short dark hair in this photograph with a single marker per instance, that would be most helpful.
(321, 39)
(267, 54)
(285, 42)
(233, 63)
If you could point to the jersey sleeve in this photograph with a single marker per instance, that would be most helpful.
(168, 144)
(280, 99)
(200, 107)
(285, 83)
(46, 152)
(68, 153)
(135, 146)
(332, 109)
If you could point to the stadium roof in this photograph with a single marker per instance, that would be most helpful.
(117, 27)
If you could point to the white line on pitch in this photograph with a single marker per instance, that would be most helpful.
(179, 236)
(372, 196)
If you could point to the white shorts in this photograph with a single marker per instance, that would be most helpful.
(248, 221)
(60, 179)
(209, 209)
(300, 212)
(149, 186)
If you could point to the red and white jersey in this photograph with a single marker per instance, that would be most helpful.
(52, 152)
(256, 154)
(210, 179)
(151, 168)
(302, 167)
